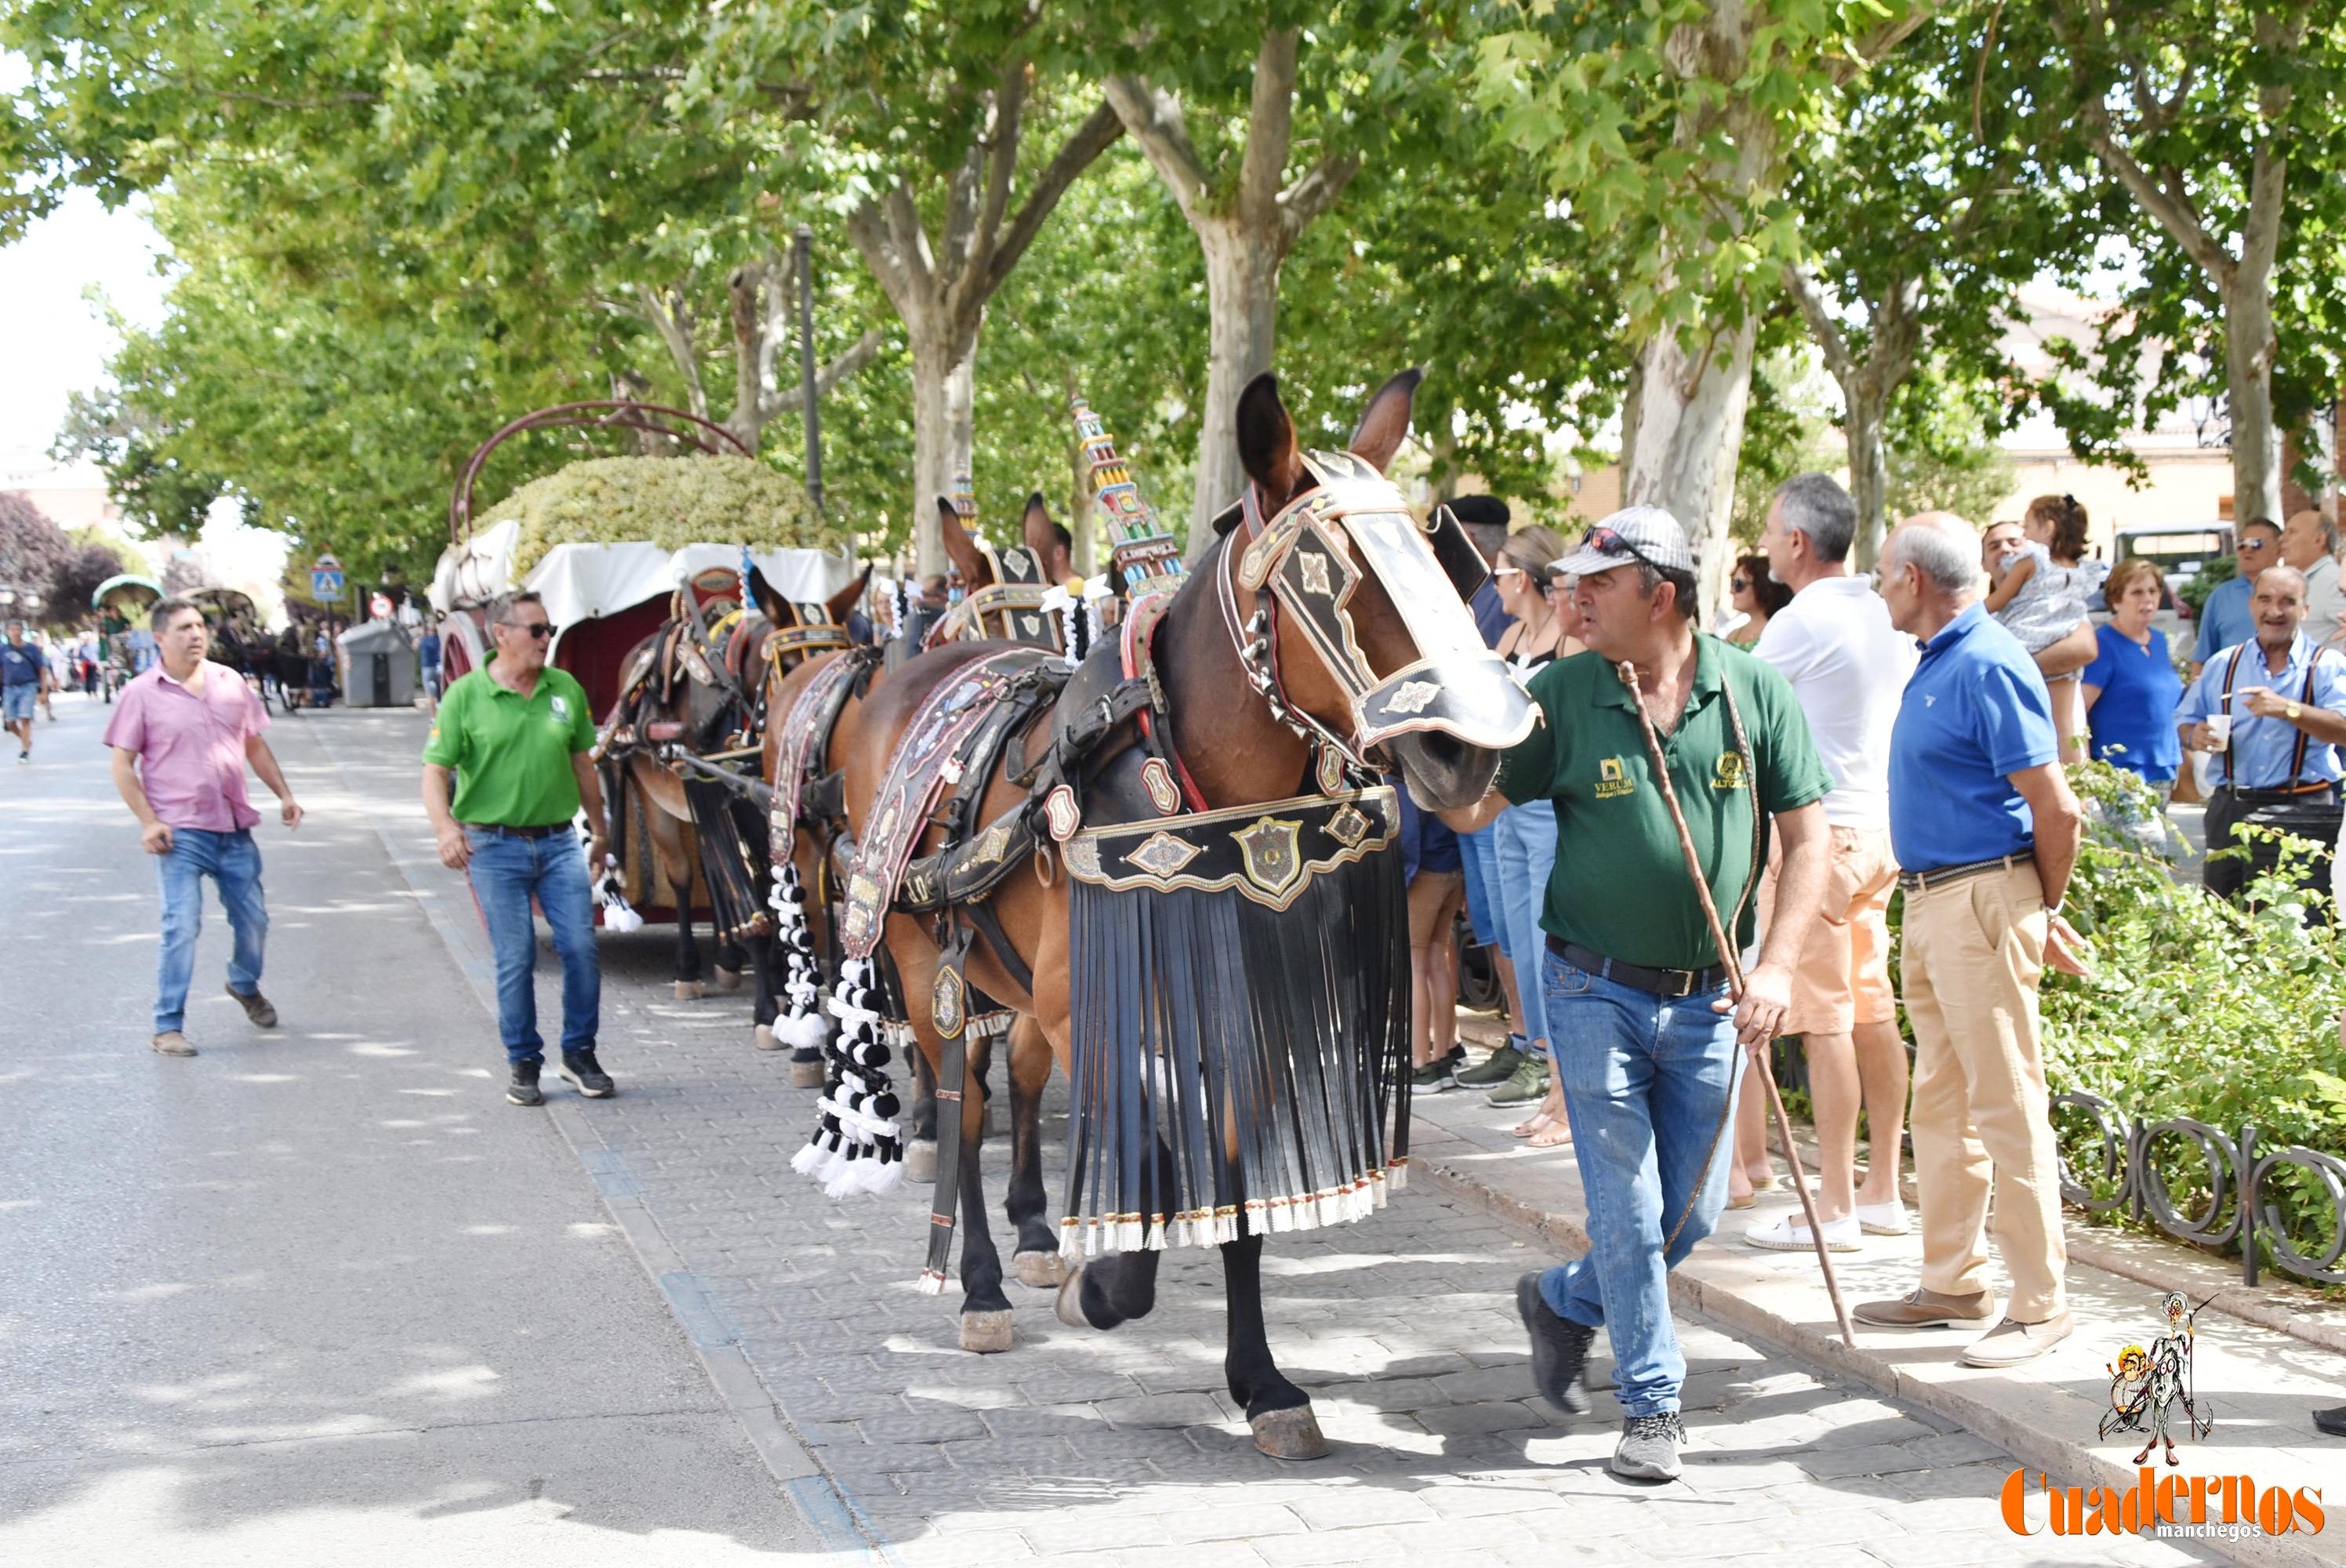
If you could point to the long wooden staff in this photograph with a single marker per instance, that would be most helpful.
(1731, 960)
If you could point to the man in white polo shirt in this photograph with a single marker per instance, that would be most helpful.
(1848, 665)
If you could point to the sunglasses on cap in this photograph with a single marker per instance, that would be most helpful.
(1610, 542)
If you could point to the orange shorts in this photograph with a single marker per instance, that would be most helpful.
(1842, 978)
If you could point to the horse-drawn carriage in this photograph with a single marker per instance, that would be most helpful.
(122, 604)
(670, 582)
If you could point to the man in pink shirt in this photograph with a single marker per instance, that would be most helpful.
(182, 734)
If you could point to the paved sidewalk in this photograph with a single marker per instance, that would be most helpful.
(2260, 1383)
(317, 1296)
(1114, 1449)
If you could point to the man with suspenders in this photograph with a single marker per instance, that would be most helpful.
(2284, 696)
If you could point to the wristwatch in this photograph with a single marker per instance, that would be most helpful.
(2294, 711)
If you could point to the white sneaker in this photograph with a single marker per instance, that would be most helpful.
(1789, 1235)
(1883, 1218)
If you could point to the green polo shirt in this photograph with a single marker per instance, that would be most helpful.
(1619, 886)
(512, 753)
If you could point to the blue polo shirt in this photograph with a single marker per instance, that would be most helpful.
(2263, 748)
(21, 665)
(1975, 712)
(2226, 620)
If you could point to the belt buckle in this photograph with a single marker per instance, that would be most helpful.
(1683, 980)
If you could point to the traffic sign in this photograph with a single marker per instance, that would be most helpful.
(326, 579)
(379, 607)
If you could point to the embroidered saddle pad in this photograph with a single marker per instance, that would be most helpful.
(805, 742)
(926, 763)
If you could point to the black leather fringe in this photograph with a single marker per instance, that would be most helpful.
(1239, 1071)
(731, 862)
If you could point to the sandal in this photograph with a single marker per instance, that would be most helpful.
(1556, 1133)
(1549, 1116)
(1539, 1123)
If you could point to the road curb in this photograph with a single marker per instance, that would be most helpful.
(838, 1524)
(2069, 1463)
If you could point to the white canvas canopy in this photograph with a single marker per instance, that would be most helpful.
(583, 581)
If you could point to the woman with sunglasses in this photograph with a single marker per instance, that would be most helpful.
(1524, 836)
(1755, 596)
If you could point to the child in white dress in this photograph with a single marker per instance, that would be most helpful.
(2038, 591)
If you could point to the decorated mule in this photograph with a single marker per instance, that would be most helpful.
(1179, 861)
(691, 706)
(1004, 597)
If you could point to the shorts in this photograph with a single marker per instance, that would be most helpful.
(432, 685)
(16, 701)
(1843, 978)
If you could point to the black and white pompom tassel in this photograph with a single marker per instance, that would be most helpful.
(857, 1146)
(803, 1026)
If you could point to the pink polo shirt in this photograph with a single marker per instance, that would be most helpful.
(190, 746)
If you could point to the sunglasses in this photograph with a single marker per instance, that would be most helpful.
(1740, 584)
(1506, 571)
(1609, 542)
(535, 628)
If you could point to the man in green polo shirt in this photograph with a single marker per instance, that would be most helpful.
(518, 740)
(1638, 1005)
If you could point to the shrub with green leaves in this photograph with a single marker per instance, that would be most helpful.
(670, 502)
(2224, 1013)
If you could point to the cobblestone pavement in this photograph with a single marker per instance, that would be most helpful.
(1125, 1448)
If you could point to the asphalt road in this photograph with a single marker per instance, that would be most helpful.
(318, 1295)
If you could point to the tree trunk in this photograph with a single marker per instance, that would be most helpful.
(942, 427)
(1689, 429)
(1869, 469)
(1243, 295)
(2250, 349)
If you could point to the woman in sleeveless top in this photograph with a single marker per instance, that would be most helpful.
(1524, 836)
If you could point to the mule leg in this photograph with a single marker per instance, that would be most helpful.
(1104, 1292)
(921, 1149)
(1037, 1260)
(1279, 1412)
(766, 1003)
(731, 963)
(687, 950)
(985, 1309)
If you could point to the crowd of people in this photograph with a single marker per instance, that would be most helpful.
(1905, 733)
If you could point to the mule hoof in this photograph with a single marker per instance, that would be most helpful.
(1041, 1270)
(766, 1041)
(688, 991)
(921, 1160)
(728, 979)
(987, 1333)
(1070, 1304)
(806, 1072)
(1290, 1434)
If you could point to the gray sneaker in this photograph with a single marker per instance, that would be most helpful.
(171, 1043)
(1648, 1448)
(1496, 1068)
(1527, 1086)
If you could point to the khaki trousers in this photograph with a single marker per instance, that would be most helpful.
(1972, 955)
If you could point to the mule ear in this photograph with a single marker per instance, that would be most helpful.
(1266, 442)
(1046, 541)
(777, 609)
(1385, 423)
(841, 605)
(961, 547)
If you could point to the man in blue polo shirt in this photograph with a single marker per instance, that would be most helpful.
(2276, 765)
(2225, 620)
(1985, 831)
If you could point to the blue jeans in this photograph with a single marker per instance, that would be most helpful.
(1646, 1082)
(1524, 839)
(506, 872)
(1475, 853)
(232, 860)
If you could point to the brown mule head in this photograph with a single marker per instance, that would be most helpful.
(1371, 637)
(1049, 542)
